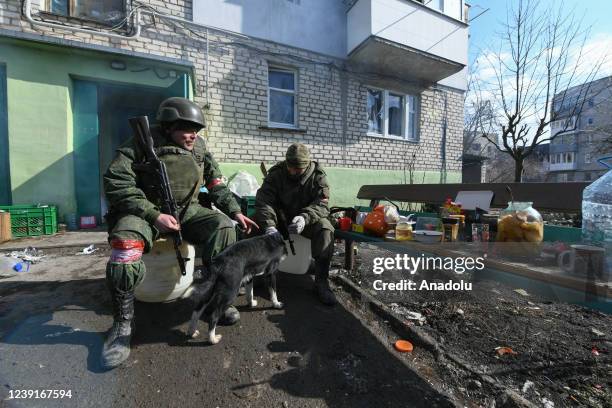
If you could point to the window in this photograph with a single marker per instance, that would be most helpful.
(375, 111)
(282, 102)
(590, 121)
(587, 157)
(476, 146)
(392, 114)
(106, 11)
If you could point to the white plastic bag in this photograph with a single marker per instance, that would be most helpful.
(243, 184)
(391, 214)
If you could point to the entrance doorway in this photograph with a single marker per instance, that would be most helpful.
(101, 113)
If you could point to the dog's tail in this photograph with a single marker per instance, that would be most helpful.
(202, 292)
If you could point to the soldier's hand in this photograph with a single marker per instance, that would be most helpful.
(246, 224)
(297, 225)
(166, 223)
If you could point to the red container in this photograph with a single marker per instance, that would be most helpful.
(88, 221)
(345, 223)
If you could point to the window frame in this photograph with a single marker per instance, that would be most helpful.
(294, 92)
(406, 107)
(71, 11)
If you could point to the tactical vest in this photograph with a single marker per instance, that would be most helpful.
(185, 171)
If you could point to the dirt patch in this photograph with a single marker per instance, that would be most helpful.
(556, 354)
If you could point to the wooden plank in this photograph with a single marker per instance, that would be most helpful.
(545, 196)
(5, 226)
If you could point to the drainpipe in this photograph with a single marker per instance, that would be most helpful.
(135, 21)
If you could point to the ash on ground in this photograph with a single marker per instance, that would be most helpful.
(550, 353)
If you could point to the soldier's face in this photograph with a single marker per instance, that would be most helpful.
(184, 137)
(294, 171)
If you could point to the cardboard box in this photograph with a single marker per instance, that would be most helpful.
(5, 226)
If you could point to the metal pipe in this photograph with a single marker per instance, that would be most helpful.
(135, 19)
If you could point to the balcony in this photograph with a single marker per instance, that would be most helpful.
(562, 166)
(563, 147)
(405, 39)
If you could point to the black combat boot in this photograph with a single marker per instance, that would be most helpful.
(325, 294)
(117, 345)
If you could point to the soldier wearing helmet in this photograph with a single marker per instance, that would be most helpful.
(135, 220)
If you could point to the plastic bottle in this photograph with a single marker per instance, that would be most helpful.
(7, 265)
(597, 217)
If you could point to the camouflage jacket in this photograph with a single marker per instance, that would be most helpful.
(307, 196)
(135, 192)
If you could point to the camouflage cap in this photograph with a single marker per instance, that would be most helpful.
(298, 156)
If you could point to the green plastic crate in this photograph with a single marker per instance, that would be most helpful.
(32, 220)
(248, 206)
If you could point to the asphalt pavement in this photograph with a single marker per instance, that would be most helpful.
(52, 327)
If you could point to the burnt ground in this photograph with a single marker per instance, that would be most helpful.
(563, 352)
(53, 320)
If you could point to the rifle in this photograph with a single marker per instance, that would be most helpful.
(283, 228)
(152, 164)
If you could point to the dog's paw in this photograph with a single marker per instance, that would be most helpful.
(278, 305)
(194, 334)
(253, 303)
(215, 339)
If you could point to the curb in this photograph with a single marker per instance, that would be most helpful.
(399, 325)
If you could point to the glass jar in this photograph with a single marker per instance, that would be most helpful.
(521, 223)
(403, 231)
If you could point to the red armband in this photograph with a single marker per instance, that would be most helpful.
(214, 182)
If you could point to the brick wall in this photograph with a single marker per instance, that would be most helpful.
(237, 96)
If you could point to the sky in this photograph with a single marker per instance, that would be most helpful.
(597, 13)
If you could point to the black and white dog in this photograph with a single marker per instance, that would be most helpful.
(236, 265)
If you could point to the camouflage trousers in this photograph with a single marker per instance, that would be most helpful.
(321, 235)
(200, 226)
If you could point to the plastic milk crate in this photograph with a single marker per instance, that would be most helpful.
(32, 220)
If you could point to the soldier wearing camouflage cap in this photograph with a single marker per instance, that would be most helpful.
(298, 186)
(135, 220)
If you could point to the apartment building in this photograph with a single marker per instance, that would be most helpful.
(583, 133)
(367, 84)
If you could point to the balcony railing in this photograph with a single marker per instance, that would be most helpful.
(563, 166)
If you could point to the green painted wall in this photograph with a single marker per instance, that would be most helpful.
(40, 115)
(345, 182)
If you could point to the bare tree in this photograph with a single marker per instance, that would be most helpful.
(479, 117)
(541, 55)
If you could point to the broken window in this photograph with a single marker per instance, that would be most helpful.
(375, 113)
(282, 97)
(106, 11)
(392, 114)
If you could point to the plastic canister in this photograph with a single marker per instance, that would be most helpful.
(597, 217)
(163, 281)
(297, 264)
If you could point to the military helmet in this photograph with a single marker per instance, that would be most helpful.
(298, 156)
(175, 109)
